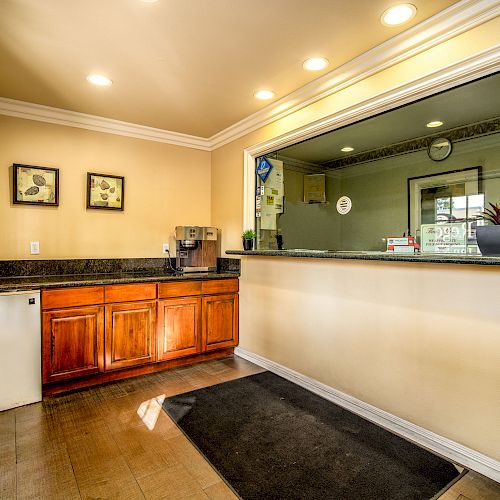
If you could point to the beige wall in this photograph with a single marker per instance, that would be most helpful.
(417, 340)
(164, 186)
(420, 341)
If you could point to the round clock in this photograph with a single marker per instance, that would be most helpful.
(439, 149)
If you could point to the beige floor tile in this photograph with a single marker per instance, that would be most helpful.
(8, 452)
(194, 462)
(174, 483)
(145, 462)
(8, 481)
(47, 476)
(220, 491)
(92, 448)
(477, 487)
(110, 479)
(201, 495)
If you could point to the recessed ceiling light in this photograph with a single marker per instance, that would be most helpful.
(264, 94)
(347, 149)
(434, 124)
(315, 63)
(101, 80)
(149, 1)
(398, 14)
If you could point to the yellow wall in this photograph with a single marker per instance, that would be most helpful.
(165, 186)
(420, 341)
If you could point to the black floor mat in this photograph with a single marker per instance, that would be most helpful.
(271, 439)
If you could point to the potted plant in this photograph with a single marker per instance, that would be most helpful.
(488, 237)
(248, 237)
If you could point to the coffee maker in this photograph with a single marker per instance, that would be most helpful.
(196, 249)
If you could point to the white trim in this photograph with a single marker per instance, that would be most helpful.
(479, 65)
(31, 111)
(445, 447)
(457, 19)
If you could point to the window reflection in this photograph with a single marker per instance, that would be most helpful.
(396, 185)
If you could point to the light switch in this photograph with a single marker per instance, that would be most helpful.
(34, 247)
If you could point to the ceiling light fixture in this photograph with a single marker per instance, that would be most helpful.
(101, 80)
(435, 123)
(398, 14)
(149, 1)
(315, 63)
(347, 149)
(264, 94)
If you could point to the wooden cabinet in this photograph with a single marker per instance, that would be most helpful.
(101, 333)
(72, 343)
(179, 327)
(130, 334)
(220, 321)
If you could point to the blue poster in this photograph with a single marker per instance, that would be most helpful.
(264, 169)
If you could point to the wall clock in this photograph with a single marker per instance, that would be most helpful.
(439, 149)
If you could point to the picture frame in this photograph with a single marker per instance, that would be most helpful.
(35, 185)
(105, 191)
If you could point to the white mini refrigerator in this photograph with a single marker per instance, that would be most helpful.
(20, 349)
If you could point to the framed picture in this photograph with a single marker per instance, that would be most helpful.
(35, 185)
(105, 191)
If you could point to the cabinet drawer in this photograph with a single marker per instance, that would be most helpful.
(220, 286)
(129, 293)
(179, 289)
(71, 297)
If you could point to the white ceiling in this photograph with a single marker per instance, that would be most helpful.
(188, 66)
(471, 103)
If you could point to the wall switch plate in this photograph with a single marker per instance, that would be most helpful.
(166, 248)
(34, 247)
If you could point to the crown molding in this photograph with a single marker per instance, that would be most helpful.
(38, 112)
(457, 19)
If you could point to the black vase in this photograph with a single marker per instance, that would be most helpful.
(248, 244)
(488, 240)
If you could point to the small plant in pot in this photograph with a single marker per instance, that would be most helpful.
(248, 237)
(488, 237)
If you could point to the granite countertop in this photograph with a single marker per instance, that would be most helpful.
(54, 273)
(381, 256)
(35, 282)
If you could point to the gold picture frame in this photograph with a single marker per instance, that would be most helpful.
(105, 191)
(32, 185)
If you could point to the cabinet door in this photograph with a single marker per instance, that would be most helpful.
(220, 321)
(130, 334)
(73, 343)
(179, 327)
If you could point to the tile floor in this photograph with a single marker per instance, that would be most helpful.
(114, 441)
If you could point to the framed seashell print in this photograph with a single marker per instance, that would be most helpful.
(105, 191)
(35, 185)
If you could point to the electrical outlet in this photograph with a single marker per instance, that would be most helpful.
(166, 248)
(34, 247)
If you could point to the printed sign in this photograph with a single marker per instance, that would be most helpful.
(444, 238)
(264, 169)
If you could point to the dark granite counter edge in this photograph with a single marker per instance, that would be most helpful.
(38, 282)
(377, 256)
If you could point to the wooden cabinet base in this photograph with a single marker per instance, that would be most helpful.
(101, 378)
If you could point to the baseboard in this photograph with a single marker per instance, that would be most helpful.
(440, 445)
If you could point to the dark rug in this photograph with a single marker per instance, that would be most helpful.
(271, 439)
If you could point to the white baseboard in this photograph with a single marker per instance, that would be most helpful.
(440, 445)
